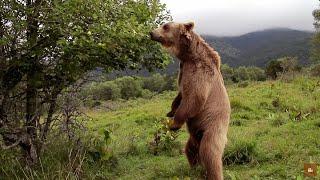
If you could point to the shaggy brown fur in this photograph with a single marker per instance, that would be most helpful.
(202, 101)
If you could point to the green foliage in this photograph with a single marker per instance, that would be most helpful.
(130, 87)
(80, 35)
(171, 83)
(256, 74)
(282, 67)
(159, 83)
(242, 73)
(227, 73)
(273, 69)
(103, 91)
(315, 48)
(47, 46)
(154, 83)
(99, 147)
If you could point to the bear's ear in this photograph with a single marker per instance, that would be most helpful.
(189, 26)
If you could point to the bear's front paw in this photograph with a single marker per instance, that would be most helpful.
(175, 127)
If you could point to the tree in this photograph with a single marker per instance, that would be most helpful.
(45, 46)
(273, 69)
(281, 66)
(315, 49)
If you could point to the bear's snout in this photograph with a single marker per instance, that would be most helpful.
(155, 37)
(151, 35)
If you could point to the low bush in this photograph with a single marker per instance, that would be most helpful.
(242, 73)
(315, 70)
(131, 87)
(103, 91)
(154, 83)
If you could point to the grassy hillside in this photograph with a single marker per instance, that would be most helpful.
(274, 129)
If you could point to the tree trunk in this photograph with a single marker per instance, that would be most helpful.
(31, 146)
(52, 108)
(2, 68)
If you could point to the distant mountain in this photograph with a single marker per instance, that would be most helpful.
(257, 48)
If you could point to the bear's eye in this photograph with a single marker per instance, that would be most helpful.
(166, 27)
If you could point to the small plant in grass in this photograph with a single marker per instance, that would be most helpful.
(165, 141)
(236, 122)
(132, 148)
(238, 105)
(243, 84)
(276, 102)
(99, 149)
(277, 120)
(241, 152)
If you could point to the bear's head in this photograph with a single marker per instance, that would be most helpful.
(173, 36)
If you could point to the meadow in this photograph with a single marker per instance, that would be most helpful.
(274, 130)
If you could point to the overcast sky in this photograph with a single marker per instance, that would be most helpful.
(234, 17)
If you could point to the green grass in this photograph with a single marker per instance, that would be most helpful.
(274, 129)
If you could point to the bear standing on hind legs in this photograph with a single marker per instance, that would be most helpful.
(202, 101)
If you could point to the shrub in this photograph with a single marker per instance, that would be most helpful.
(281, 66)
(315, 70)
(240, 74)
(159, 83)
(154, 83)
(227, 72)
(130, 87)
(256, 74)
(171, 83)
(273, 68)
(147, 94)
(103, 91)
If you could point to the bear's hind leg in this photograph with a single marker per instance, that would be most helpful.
(210, 154)
(192, 151)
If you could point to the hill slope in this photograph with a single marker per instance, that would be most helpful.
(257, 48)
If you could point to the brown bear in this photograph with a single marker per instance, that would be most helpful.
(202, 101)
